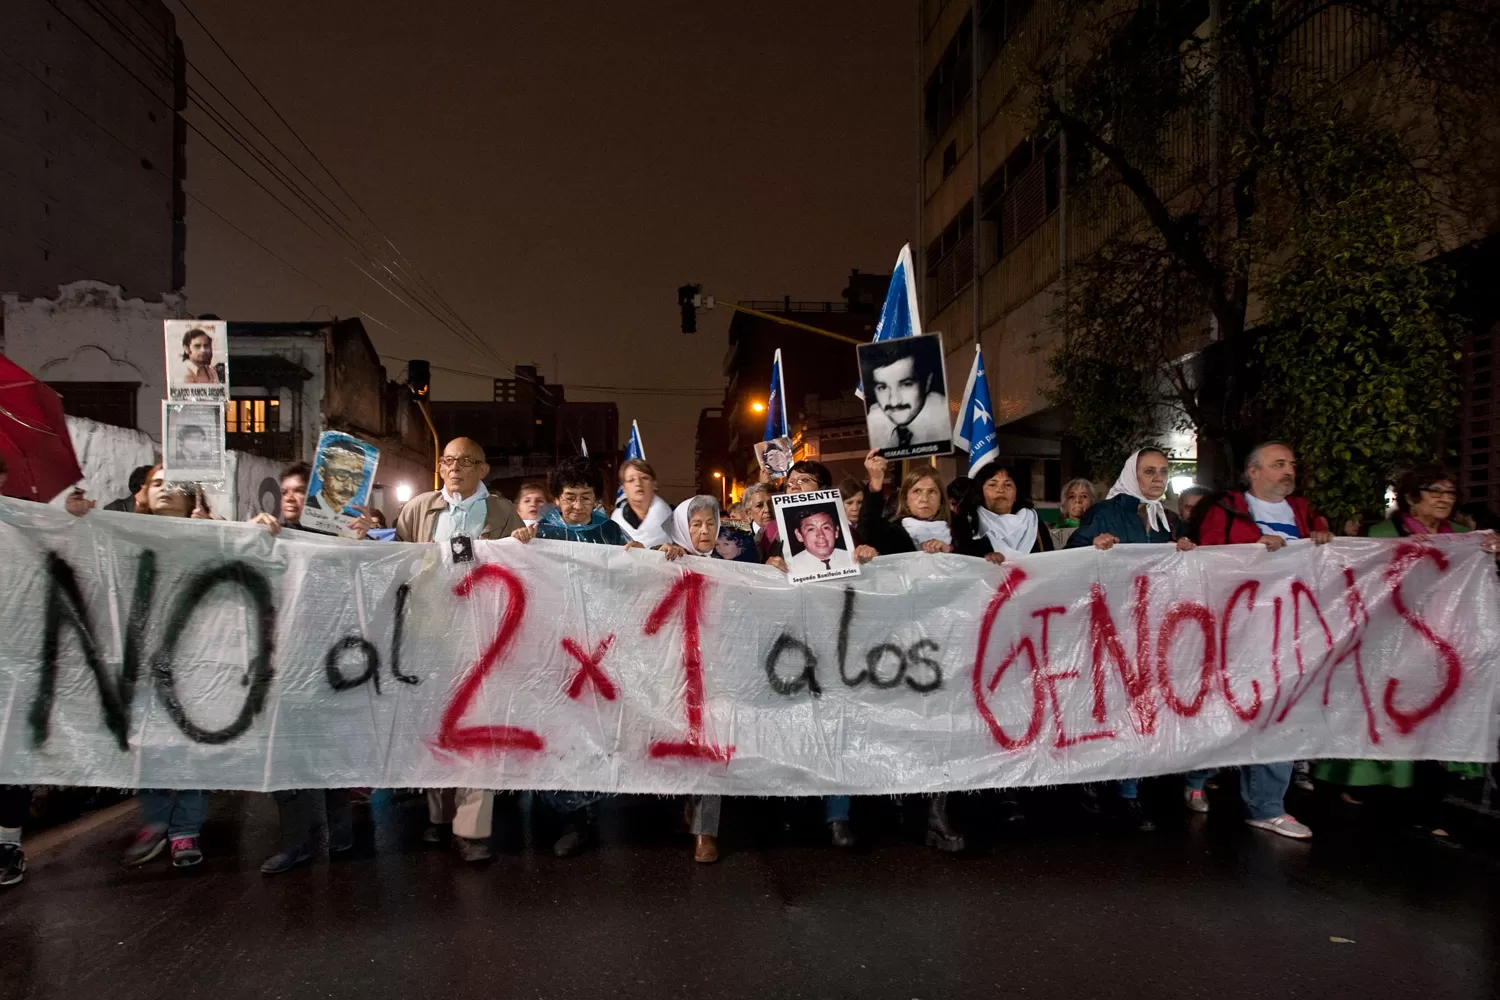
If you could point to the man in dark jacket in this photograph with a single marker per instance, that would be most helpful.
(1267, 513)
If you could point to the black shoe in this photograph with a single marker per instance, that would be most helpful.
(436, 833)
(1134, 815)
(472, 850)
(1010, 812)
(841, 834)
(340, 840)
(941, 834)
(576, 838)
(12, 864)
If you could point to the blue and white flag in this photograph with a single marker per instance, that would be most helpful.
(633, 449)
(975, 432)
(899, 317)
(776, 424)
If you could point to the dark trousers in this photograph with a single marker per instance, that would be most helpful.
(15, 805)
(303, 811)
(1428, 789)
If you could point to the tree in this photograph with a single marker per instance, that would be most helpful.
(1185, 124)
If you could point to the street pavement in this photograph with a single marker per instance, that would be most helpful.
(1062, 906)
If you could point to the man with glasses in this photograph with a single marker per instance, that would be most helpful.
(1269, 515)
(465, 509)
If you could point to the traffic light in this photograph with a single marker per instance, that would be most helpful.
(418, 377)
(687, 301)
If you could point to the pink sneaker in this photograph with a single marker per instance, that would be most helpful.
(1195, 799)
(148, 843)
(185, 852)
(1286, 826)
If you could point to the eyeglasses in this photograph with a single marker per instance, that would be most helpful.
(801, 480)
(1444, 492)
(448, 462)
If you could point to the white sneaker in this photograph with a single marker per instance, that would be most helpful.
(1286, 826)
(1195, 799)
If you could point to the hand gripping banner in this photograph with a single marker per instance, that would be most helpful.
(150, 652)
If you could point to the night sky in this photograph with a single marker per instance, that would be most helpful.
(558, 176)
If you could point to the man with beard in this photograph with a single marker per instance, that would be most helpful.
(1267, 514)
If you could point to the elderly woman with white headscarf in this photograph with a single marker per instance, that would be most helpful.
(693, 531)
(1132, 513)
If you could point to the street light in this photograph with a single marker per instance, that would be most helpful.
(403, 492)
(723, 497)
(758, 406)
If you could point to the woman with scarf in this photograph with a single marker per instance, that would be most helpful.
(693, 532)
(1077, 498)
(1424, 506)
(998, 518)
(922, 523)
(643, 516)
(1132, 513)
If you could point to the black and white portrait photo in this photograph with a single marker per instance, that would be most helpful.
(906, 396)
(193, 442)
(819, 544)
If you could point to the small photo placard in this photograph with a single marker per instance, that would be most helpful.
(343, 475)
(192, 436)
(775, 456)
(816, 537)
(197, 360)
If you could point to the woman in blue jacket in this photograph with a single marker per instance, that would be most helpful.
(1132, 513)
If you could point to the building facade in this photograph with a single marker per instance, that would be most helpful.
(92, 145)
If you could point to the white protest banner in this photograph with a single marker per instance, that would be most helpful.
(141, 651)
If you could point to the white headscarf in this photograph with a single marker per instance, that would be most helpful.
(1156, 514)
(653, 529)
(920, 531)
(678, 527)
(1009, 534)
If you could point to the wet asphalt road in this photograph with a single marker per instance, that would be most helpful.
(1058, 908)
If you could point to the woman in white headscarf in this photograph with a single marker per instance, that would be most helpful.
(997, 519)
(693, 531)
(644, 515)
(1132, 513)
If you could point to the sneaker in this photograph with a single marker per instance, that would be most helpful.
(471, 850)
(185, 852)
(1196, 800)
(12, 864)
(149, 842)
(1133, 814)
(1286, 826)
(285, 861)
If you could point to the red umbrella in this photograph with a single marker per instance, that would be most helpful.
(34, 442)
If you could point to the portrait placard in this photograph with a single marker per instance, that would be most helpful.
(816, 536)
(343, 473)
(192, 437)
(197, 360)
(774, 456)
(906, 396)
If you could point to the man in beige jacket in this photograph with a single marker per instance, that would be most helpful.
(462, 508)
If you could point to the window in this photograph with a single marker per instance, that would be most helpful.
(106, 402)
(1021, 193)
(999, 20)
(252, 416)
(950, 259)
(948, 87)
(950, 158)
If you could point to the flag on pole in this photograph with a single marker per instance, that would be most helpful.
(583, 447)
(633, 449)
(975, 433)
(776, 424)
(899, 317)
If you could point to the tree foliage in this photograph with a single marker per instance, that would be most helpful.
(1287, 161)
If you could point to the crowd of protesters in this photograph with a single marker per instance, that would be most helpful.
(988, 516)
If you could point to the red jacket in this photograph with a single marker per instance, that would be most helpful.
(1228, 521)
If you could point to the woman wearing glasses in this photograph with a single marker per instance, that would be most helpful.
(1425, 498)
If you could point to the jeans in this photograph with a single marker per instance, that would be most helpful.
(835, 809)
(703, 819)
(1128, 788)
(180, 814)
(1195, 780)
(304, 810)
(1262, 786)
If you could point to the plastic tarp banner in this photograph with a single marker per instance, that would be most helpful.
(139, 651)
